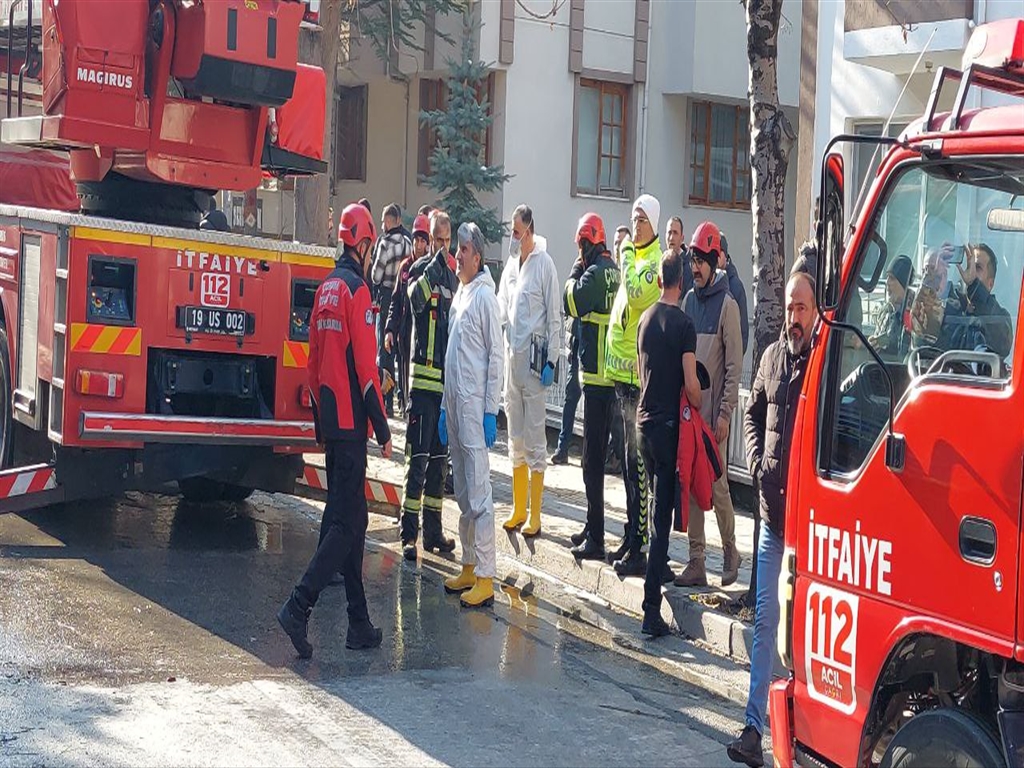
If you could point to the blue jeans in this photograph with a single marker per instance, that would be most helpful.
(572, 400)
(766, 626)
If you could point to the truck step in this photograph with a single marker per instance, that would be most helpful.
(313, 484)
(28, 487)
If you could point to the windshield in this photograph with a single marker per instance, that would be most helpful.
(940, 269)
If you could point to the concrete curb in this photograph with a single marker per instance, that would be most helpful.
(720, 633)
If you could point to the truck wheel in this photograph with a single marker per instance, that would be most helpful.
(121, 197)
(7, 393)
(943, 738)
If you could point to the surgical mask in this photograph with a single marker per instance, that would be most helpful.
(515, 247)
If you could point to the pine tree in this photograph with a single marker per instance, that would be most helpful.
(457, 171)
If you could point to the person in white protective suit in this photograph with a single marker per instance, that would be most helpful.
(473, 368)
(531, 315)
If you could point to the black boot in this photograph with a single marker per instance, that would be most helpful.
(633, 564)
(654, 625)
(747, 748)
(433, 535)
(410, 532)
(362, 635)
(667, 574)
(560, 457)
(590, 549)
(579, 538)
(620, 552)
(293, 621)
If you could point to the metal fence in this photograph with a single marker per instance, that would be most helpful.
(737, 451)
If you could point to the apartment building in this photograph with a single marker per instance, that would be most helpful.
(866, 61)
(593, 103)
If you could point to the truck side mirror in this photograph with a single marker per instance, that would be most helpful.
(830, 232)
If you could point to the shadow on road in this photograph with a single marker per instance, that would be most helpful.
(152, 588)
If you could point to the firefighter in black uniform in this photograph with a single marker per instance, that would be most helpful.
(432, 284)
(347, 407)
(589, 294)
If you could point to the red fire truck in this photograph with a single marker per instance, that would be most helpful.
(901, 586)
(136, 349)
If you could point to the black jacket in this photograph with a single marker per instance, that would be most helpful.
(974, 318)
(768, 428)
(589, 294)
(432, 286)
(740, 294)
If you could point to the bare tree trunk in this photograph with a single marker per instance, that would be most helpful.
(771, 139)
(312, 195)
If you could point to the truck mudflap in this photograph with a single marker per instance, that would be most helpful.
(780, 715)
(382, 497)
(1011, 727)
(148, 428)
(24, 488)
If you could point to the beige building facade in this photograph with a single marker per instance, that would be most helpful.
(594, 102)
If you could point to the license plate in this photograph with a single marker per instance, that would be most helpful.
(230, 322)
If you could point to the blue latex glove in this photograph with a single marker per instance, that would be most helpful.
(442, 427)
(490, 429)
(547, 376)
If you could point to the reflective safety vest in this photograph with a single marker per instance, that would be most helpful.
(432, 284)
(589, 295)
(638, 289)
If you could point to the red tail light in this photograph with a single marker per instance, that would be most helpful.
(99, 383)
(305, 399)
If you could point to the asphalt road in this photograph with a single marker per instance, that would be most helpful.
(142, 632)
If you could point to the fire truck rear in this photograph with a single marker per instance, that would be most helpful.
(901, 584)
(136, 350)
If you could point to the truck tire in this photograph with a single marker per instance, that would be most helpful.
(7, 393)
(943, 738)
(120, 197)
(203, 490)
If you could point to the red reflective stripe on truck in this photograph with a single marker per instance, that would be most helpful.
(383, 493)
(18, 482)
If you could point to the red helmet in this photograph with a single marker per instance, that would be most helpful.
(421, 224)
(591, 229)
(356, 225)
(707, 238)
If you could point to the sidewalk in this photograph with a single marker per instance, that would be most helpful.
(701, 614)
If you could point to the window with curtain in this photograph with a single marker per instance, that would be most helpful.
(601, 138)
(434, 96)
(719, 155)
(350, 134)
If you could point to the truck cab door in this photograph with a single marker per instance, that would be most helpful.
(883, 554)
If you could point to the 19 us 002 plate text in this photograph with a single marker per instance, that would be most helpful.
(230, 322)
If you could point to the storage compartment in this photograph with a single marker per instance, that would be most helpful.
(303, 293)
(111, 298)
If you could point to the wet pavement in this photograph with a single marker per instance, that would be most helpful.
(142, 631)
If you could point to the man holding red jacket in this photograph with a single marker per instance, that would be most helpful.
(347, 407)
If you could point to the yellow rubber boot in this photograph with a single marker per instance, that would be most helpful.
(536, 496)
(480, 595)
(462, 582)
(520, 490)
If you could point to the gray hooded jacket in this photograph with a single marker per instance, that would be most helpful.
(716, 316)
